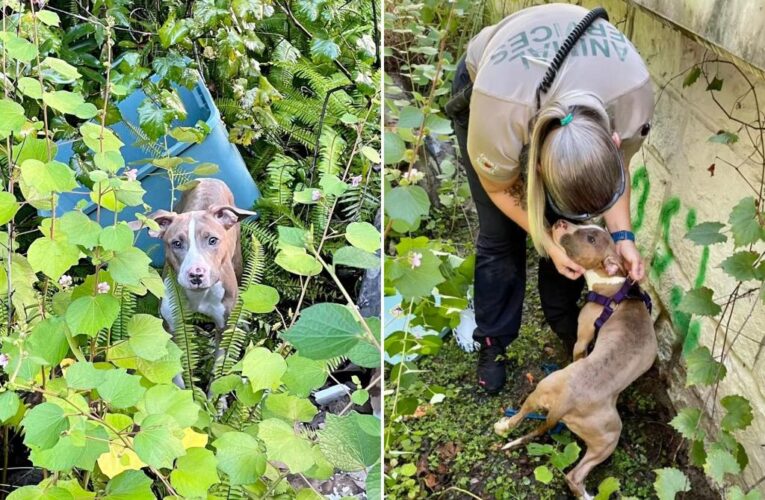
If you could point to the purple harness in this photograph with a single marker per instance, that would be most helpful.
(630, 290)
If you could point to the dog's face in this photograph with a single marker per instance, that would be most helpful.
(589, 246)
(197, 243)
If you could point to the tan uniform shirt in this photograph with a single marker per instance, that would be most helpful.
(507, 61)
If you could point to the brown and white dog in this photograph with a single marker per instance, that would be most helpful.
(583, 394)
(202, 246)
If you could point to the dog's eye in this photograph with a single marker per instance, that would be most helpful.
(177, 243)
(591, 239)
(212, 241)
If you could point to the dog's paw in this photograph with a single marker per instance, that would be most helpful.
(502, 427)
(587, 496)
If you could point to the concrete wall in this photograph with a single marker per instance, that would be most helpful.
(673, 189)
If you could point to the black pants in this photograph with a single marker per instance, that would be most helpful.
(500, 268)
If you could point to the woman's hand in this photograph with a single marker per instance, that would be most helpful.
(632, 259)
(563, 263)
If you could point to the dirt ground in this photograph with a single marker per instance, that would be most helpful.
(455, 450)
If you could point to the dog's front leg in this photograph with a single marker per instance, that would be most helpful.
(584, 334)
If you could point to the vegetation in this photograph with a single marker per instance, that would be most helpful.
(86, 393)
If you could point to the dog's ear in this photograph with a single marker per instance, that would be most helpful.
(613, 264)
(161, 219)
(228, 215)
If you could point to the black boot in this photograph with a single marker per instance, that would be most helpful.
(491, 365)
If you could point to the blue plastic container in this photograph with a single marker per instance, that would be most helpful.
(216, 148)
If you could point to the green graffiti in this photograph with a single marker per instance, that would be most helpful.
(664, 254)
(640, 180)
(687, 330)
(690, 219)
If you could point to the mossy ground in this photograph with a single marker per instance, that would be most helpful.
(453, 450)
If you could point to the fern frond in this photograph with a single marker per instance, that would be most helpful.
(128, 304)
(144, 142)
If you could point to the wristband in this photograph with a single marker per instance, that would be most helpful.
(623, 235)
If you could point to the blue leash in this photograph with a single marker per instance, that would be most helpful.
(547, 368)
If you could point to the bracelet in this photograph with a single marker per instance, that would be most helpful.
(623, 235)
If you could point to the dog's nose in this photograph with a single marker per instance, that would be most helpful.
(195, 275)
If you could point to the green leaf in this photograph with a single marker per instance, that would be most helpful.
(109, 161)
(43, 425)
(48, 18)
(355, 257)
(567, 457)
(411, 281)
(148, 338)
(407, 203)
(699, 301)
(191, 135)
(8, 207)
(669, 482)
(225, 384)
(116, 238)
(83, 376)
(410, 117)
(88, 315)
(129, 485)
(735, 493)
(40, 179)
(284, 446)
(30, 88)
(65, 71)
(240, 457)
(69, 103)
(205, 169)
(289, 408)
(260, 299)
(173, 31)
(304, 375)
(308, 196)
(264, 368)
(158, 443)
(92, 136)
(80, 448)
(169, 400)
(18, 48)
(324, 331)
(738, 413)
(164, 369)
(723, 137)
(371, 154)
(332, 186)
(363, 235)
(715, 84)
(322, 49)
(744, 224)
(740, 265)
(607, 487)
(297, 261)
(153, 119)
(9, 405)
(80, 229)
(719, 463)
(52, 257)
(119, 389)
(707, 233)
(129, 266)
(394, 149)
(351, 442)
(702, 368)
(195, 473)
(12, 118)
(360, 397)
(692, 76)
(40, 493)
(686, 422)
(47, 341)
(543, 474)
(438, 125)
(374, 482)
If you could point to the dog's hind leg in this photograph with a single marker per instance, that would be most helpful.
(600, 433)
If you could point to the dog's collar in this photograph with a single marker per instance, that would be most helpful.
(629, 290)
(592, 278)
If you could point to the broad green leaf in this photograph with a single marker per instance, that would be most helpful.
(351, 442)
(735, 493)
(87, 315)
(48, 18)
(116, 238)
(109, 161)
(30, 87)
(365, 354)
(332, 186)
(304, 375)
(415, 273)
(119, 389)
(543, 474)
(129, 485)
(669, 482)
(310, 494)
(74, 488)
(70, 103)
(12, 118)
(288, 407)
(66, 71)
(80, 448)
(740, 265)
(707, 233)
(190, 135)
(410, 117)
(438, 125)
(8, 207)
(173, 31)
(744, 224)
(699, 301)
(738, 413)
(292, 237)
(161, 371)
(720, 462)
(686, 422)
(324, 331)
(309, 196)
(363, 235)
(322, 49)
(702, 368)
(692, 76)
(360, 397)
(394, 150)
(225, 384)
(263, 368)
(153, 119)
(158, 443)
(567, 457)
(9, 405)
(41, 179)
(129, 266)
(205, 169)
(43, 425)
(80, 229)
(240, 457)
(97, 141)
(83, 376)
(371, 154)
(606, 488)
(297, 261)
(195, 473)
(18, 48)
(47, 342)
(38, 492)
(260, 299)
(169, 400)
(407, 203)
(724, 138)
(52, 257)
(355, 257)
(283, 445)
(148, 337)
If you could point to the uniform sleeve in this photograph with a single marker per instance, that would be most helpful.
(633, 113)
(496, 134)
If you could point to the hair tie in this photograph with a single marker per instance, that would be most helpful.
(566, 120)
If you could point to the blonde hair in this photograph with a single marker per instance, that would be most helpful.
(576, 164)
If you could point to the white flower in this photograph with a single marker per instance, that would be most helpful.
(131, 174)
(415, 259)
(209, 52)
(366, 43)
(4, 360)
(316, 195)
(364, 79)
(65, 281)
(103, 287)
(355, 181)
(268, 11)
